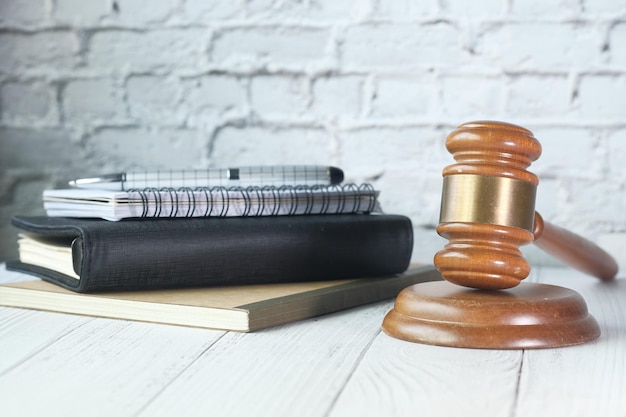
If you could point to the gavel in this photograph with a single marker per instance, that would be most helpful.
(487, 213)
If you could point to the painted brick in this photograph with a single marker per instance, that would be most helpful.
(80, 12)
(377, 151)
(553, 201)
(542, 8)
(473, 9)
(404, 164)
(319, 10)
(162, 49)
(604, 7)
(141, 148)
(262, 9)
(211, 96)
(523, 99)
(422, 207)
(202, 10)
(38, 51)
(602, 97)
(617, 155)
(338, 97)
(569, 153)
(586, 212)
(153, 100)
(135, 12)
(370, 85)
(17, 145)
(613, 243)
(93, 101)
(401, 46)
(617, 39)
(17, 12)
(405, 9)
(548, 202)
(339, 10)
(404, 97)
(28, 103)
(472, 97)
(272, 46)
(265, 145)
(541, 45)
(277, 96)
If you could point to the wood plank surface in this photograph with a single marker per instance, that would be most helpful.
(583, 380)
(101, 368)
(292, 370)
(24, 333)
(335, 365)
(397, 378)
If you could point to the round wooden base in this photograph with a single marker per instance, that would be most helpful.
(529, 316)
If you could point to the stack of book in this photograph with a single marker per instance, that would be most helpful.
(237, 249)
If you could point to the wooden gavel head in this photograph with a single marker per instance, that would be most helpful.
(488, 211)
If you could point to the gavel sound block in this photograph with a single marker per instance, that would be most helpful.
(487, 213)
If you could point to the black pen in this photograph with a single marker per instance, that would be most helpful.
(243, 177)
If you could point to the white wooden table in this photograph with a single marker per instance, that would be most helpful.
(336, 365)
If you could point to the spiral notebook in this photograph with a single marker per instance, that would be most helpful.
(211, 201)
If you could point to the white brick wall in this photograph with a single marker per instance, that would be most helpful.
(373, 86)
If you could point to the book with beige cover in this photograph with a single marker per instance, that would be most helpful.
(239, 308)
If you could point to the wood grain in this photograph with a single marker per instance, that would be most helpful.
(529, 316)
(581, 380)
(397, 378)
(574, 250)
(485, 232)
(292, 370)
(25, 333)
(101, 368)
(488, 211)
(336, 365)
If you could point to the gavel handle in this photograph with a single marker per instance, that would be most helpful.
(574, 250)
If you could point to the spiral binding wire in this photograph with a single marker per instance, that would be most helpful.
(268, 200)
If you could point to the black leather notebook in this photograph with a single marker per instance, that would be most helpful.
(90, 255)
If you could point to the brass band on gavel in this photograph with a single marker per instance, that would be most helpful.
(488, 200)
